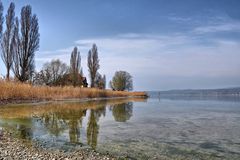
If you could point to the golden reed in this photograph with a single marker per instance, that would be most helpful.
(10, 91)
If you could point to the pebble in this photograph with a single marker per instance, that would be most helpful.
(12, 148)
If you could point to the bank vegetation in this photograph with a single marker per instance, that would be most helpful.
(16, 91)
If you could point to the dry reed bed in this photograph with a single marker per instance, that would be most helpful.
(10, 91)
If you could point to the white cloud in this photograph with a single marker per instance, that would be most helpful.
(180, 19)
(218, 28)
(176, 55)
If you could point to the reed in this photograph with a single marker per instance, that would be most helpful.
(10, 91)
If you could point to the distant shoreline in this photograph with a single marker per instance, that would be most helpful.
(201, 92)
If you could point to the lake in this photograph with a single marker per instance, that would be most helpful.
(137, 128)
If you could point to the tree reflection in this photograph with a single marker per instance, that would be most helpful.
(93, 127)
(52, 123)
(58, 118)
(58, 121)
(92, 130)
(21, 128)
(122, 112)
(24, 132)
(74, 120)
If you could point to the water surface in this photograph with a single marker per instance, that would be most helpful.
(133, 128)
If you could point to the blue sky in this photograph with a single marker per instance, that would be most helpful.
(164, 44)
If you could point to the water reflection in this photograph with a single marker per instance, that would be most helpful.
(122, 112)
(92, 130)
(20, 127)
(53, 125)
(58, 119)
(171, 129)
(24, 132)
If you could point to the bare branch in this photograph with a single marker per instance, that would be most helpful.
(7, 40)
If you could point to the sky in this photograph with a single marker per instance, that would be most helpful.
(163, 44)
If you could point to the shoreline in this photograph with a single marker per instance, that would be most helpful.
(13, 148)
(22, 101)
(16, 92)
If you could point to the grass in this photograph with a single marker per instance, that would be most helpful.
(14, 91)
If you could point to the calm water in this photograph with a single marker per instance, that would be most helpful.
(134, 128)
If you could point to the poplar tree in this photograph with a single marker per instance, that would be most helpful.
(93, 64)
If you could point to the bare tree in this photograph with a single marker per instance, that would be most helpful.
(7, 40)
(93, 64)
(75, 66)
(51, 74)
(27, 43)
(104, 81)
(15, 49)
(100, 81)
(1, 18)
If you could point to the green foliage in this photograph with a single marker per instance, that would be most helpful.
(122, 81)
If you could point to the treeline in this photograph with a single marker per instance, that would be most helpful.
(19, 41)
(57, 73)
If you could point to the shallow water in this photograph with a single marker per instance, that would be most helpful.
(133, 128)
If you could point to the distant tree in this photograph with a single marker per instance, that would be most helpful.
(75, 66)
(41, 78)
(52, 73)
(7, 41)
(1, 21)
(121, 81)
(93, 64)
(100, 81)
(26, 44)
(104, 81)
(1, 18)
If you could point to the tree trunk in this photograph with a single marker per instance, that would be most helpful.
(8, 74)
(92, 83)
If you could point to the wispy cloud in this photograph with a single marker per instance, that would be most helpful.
(149, 55)
(180, 19)
(231, 27)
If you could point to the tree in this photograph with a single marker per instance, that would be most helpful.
(93, 64)
(100, 81)
(7, 41)
(121, 81)
(1, 18)
(104, 81)
(52, 73)
(26, 44)
(75, 66)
